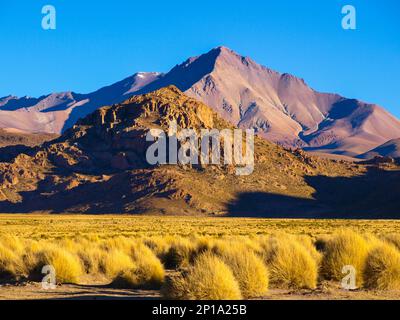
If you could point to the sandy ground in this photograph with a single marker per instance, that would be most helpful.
(34, 290)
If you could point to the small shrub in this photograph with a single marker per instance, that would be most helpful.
(208, 279)
(30, 259)
(158, 245)
(180, 254)
(382, 268)
(91, 257)
(148, 272)
(67, 265)
(115, 262)
(248, 269)
(320, 243)
(11, 266)
(290, 264)
(344, 248)
(310, 246)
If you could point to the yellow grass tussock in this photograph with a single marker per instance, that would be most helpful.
(344, 248)
(91, 256)
(393, 238)
(11, 266)
(290, 264)
(208, 279)
(248, 269)
(382, 268)
(148, 271)
(180, 253)
(115, 262)
(67, 265)
(202, 265)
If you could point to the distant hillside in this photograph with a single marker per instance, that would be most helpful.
(99, 166)
(56, 112)
(12, 137)
(388, 149)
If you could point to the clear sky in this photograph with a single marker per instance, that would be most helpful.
(99, 42)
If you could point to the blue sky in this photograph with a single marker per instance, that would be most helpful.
(99, 42)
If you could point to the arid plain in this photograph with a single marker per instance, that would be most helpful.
(158, 257)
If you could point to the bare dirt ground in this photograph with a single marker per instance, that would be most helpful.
(33, 290)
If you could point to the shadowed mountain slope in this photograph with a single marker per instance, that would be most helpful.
(388, 149)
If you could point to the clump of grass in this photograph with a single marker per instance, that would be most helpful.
(180, 254)
(382, 268)
(13, 243)
(91, 257)
(30, 258)
(148, 271)
(67, 266)
(208, 279)
(11, 266)
(117, 244)
(248, 269)
(310, 246)
(290, 264)
(372, 240)
(344, 248)
(393, 238)
(115, 262)
(206, 267)
(158, 245)
(202, 244)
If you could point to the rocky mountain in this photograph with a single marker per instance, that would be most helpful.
(99, 166)
(388, 149)
(280, 107)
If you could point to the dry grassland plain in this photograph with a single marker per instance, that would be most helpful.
(110, 256)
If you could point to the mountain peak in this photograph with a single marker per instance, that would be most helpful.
(279, 107)
(225, 50)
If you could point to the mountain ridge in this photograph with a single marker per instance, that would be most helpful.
(281, 107)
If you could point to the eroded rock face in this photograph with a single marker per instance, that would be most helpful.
(109, 142)
(115, 136)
